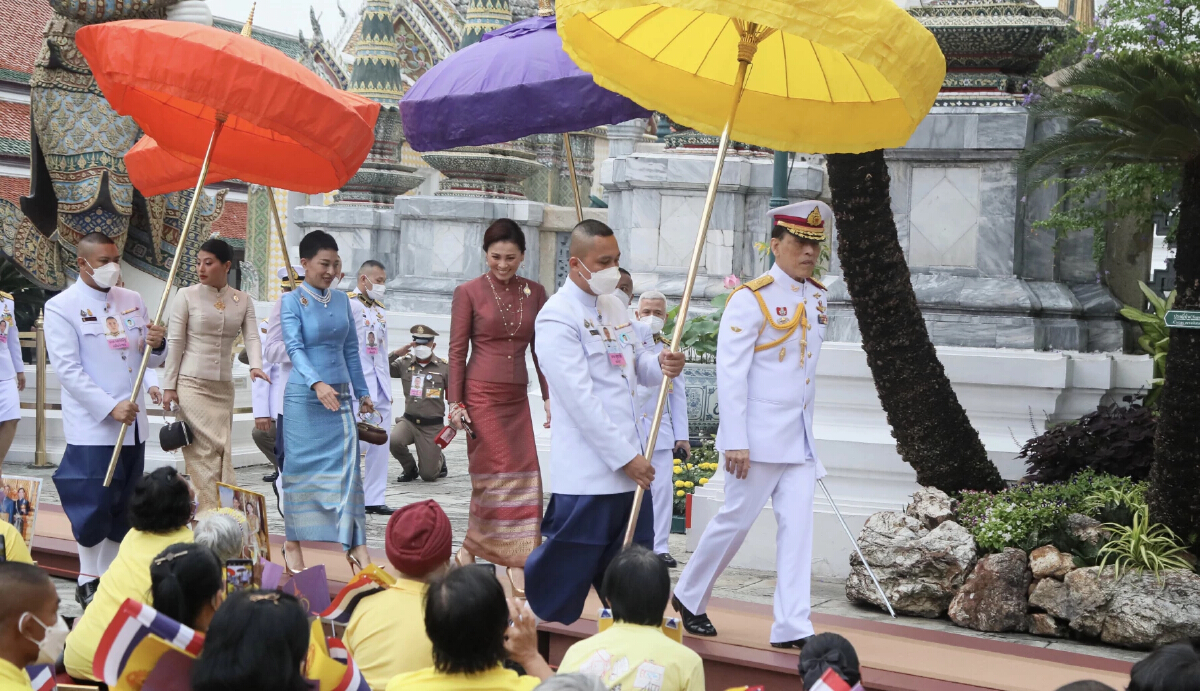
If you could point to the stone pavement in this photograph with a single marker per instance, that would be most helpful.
(454, 495)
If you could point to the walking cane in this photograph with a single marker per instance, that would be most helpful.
(854, 542)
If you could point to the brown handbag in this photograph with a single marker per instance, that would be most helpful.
(372, 434)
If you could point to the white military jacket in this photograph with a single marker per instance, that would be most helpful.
(767, 351)
(95, 340)
(674, 425)
(371, 322)
(9, 339)
(275, 351)
(594, 432)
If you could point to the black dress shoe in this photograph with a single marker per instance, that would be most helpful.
(695, 624)
(272, 477)
(408, 476)
(798, 644)
(381, 510)
(442, 473)
(668, 560)
(84, 594)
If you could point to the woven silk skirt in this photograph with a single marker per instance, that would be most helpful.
(207, 406)
(506, 483)
(322, 484)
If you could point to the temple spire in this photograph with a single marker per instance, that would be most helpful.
(1082, 11)
(376, 73)
(248, 27)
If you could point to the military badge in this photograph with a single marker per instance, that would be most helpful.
(781, 311)
(736, 329)
(822, 319)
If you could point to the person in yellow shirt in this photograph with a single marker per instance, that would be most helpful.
(160, 509)
(31, 630)
(634, 653)
(14, 545)
(473, 630)
(381, 636)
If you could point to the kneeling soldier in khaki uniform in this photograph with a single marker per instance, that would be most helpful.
(423, 376)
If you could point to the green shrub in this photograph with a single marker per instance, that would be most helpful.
(1143, 547)
(1030, 515)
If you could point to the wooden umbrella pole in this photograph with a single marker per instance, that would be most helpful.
(574, 182)
(162, 303)
(744, 57)
(287, 259)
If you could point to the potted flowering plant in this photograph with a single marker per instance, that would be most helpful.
(688, 475)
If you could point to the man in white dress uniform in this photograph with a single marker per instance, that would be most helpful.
(673, 440)
(767, 350)
(12, 374)
(370, 316)
(275, 352)
(95, 333)
(593, 356)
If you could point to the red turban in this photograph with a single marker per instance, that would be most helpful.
(419, 538)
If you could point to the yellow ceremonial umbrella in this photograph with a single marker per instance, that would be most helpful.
(816, 76)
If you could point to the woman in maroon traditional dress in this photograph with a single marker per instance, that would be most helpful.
(493, 316)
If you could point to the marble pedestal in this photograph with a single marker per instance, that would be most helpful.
(1001, 391)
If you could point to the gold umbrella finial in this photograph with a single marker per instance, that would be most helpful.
(545, 8)
(248, 27)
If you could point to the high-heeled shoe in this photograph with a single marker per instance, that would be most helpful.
(463, 557)
(518, 593)
(355, 564)
(287, 568)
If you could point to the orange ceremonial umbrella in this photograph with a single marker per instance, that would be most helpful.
(217, 99)
(154, 171)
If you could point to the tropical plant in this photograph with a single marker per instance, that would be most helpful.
(700, 332)
(932, 431)
(693, 473)
(1113, 439)
(1143, 546)
(1135, 109)
(1155, 338)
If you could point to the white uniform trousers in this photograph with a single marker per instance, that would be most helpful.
(662, 490)
(790, 488)
(375, 458)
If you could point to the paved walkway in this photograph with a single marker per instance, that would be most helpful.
(454, 495)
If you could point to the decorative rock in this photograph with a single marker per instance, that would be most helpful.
(931, 506)
(1054, 597)
(1086, 529)
(994, 595)
(1146, 613)
(1048, 562)
(1088, 596)
(919, 570)
(1046, 625)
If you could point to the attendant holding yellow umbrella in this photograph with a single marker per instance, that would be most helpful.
(819, 76)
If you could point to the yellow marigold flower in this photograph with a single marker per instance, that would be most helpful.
(703, 481)
(678, 470)
(680, 493)
(680, 483)
(689, 484)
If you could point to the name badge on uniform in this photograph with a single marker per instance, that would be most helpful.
(372, 348)
(433, 393)
(114, 335)
(417, 386)
(616, 358)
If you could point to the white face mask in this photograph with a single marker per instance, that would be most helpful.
(623, 297)
(423, 352)
(54, 638)
(655, 323)
(602, 282)
(377, 291)
(106, 276)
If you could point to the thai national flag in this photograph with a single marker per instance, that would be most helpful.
(135, 621)
(368, 581)
(353, 679)
(41, 677)
(830, 681)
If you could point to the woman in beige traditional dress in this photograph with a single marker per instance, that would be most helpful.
(205, 320)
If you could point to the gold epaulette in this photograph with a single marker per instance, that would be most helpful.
(5, 296)
(817, 283)
(761, 282)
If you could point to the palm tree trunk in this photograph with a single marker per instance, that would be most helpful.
(932, 431)
(1175, 476)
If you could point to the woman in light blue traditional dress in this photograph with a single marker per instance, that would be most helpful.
(322, 485)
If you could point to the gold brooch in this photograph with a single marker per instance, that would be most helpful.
(736, 329)
(303, 301)
(219, 305)
(782, 353)
(235, 298)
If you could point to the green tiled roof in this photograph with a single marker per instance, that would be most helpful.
(7, 75)
(290, 46)
(13, 147)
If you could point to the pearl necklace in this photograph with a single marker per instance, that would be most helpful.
(324, 300)
(504, 311)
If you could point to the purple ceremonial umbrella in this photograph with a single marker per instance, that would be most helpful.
(515, 82)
